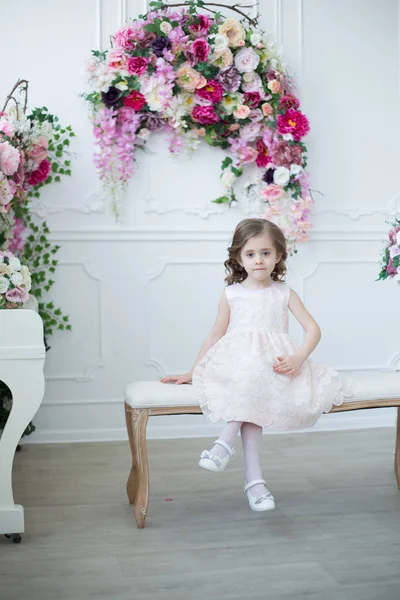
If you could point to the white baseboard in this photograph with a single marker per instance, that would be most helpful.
(195, 426)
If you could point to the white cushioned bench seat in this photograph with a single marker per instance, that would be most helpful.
(377, 389)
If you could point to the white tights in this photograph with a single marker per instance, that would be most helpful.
(251, 443)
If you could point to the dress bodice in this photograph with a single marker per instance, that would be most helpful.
(263, 310)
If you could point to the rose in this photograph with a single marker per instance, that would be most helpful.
(242, 112)
(275, 86)
(250, 132)
(222, 58)
(247, 154)
(4, 284)
(166, 27)
(272, 192)
(228, 178)
(256, 115)
(14, 263)
(38, 151)
(213, 91)
(40, 174)
(233, 30)
(137, 65)
(26, 278)
(6, 193)
(9, 158)
(255, 38)
(246, 60)
(288, 101)
(252, 82)
(159, 44)
(17, 295)
(281, 176)
(5, 269)
(267, 109)
(16, 278)
(205, 115)
(187, 78)
(201, 49)
(220, 42)
(111, 97)
(252, 99)
(135, 100)
(229, 79)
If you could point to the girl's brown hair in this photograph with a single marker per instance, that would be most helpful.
(245, 230)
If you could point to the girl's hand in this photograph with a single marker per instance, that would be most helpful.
(178, 379)
(288, 365)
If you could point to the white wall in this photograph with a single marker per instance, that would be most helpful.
(141, 294)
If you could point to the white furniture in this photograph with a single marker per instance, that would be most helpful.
(22, 354)
(151, 398)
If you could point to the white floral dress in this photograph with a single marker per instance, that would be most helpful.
(235, 380)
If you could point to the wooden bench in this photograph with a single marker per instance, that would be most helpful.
(145, 399)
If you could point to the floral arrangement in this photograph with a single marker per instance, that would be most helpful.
(391, 254)
(33, 153)
(202, 77)
(15, 281)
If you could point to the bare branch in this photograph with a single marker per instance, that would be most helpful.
(234, 7)
(23, 83)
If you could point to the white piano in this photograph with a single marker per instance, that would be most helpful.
(22, 355)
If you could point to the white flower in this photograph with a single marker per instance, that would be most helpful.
(295, 169)
(281, 176)
(16, 278)
(230, 102)
(4, 284)
(143, 133)
(166, 27)
(228, 178)
(220, 42)
(287, 136)
(14, 263)
(398, 238)
(255, 38)
(122, 85)
(246, 60)
(26, 277)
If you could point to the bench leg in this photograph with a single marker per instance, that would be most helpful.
(397, 451)
(137, 485)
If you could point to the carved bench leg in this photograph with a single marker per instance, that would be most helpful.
(397, 451)
(138, 481)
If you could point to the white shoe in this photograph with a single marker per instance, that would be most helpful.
(259, 503)
(216, 463)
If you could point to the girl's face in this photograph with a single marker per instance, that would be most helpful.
(258, 257)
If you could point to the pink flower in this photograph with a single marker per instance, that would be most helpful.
(40, 174)
(17, 295)
(242, 112)
(5, 126)
(275, 86)
(125, 38)
(252, 99)
(205, 115)
(267, 109)
(117, 60)
(201, 49)
(201, 26)
(393, 233)
(9, 158)
(135, 100)
(394, 251)
(294, 122)
(285, 155)
(37, 153)
(263, 156)
(137, 65)
(247, 154)
(271, 192)
(213, 91)
(289, 101)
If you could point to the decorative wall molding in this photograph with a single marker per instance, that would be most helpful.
(356, 213)
(94, 202)
(87, 373)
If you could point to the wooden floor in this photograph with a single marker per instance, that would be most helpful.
(334, 535)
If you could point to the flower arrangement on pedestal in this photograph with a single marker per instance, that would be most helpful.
(15, 281)
(209, 78)
(391, 254)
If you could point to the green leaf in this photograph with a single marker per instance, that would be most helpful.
(221, 200)
(226, 162)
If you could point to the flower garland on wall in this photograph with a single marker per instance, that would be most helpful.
(209, 78)
(391, 254)
(34, 152)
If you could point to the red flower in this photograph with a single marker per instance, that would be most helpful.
(213, 91)
(294, 122)
(252, 99)
(137, 65)
(200, 49)
(205, 115)
(263, 157)
(289, 101)
(135, 100)
(201, 26)
(40, 174)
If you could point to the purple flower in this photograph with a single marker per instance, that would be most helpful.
(111, 97)
(159, 44)
(152, 121)
(230, 79)
(269, 176)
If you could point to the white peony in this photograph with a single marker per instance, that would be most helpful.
(4, 284)
(246, 60)
(15, 263)
(228, 178)
(16, 278)
(255, 38)
(219, 41)
(121, 85)
(26, 277)
(166, 27)
(288, 137)
(281, 176)
(295, 169)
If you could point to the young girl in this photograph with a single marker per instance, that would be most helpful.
(249, 372)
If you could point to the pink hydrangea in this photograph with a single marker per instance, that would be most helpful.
(9, 158)
(294, 122)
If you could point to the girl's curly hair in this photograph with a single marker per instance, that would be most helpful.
(245, 230)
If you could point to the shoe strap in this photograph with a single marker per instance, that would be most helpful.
(231, 451)
(253, 483)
